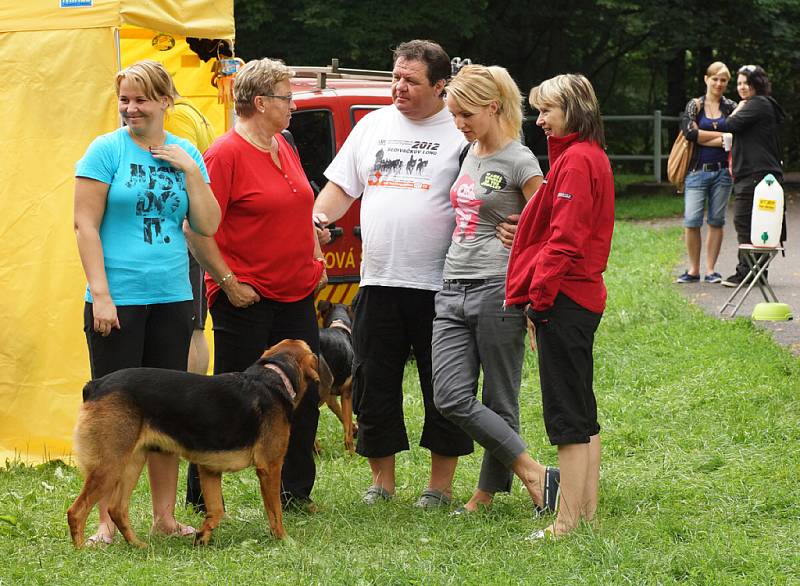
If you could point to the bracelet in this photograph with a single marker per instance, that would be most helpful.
(223, 279)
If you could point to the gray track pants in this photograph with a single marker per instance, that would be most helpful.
(472, 331)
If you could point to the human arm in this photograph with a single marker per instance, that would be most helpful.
(570, 227)
(332, 203)
(90, 205)
(709, 138)
(207, 253)
(505, 230)
(204, 213)
(688, 118)
(323, 280)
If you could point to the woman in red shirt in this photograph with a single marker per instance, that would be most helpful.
(556, 269)
(264, 264)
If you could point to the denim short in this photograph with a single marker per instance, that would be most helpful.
(701, 186)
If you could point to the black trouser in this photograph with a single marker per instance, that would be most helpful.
(240, 337)
(389, 322)
(565, 339)
(744, 190)
(154, 335)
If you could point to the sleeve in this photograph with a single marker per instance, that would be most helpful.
(220, 173)
(751, 113)
(100, 161)
(688, 116)
(570, 228)
(344, 169)
(526, 167)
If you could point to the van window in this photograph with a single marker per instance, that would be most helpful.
(358, 112)
(313, 134)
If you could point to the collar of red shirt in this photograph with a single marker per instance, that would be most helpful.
(556, 145)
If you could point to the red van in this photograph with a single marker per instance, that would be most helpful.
(330, 101)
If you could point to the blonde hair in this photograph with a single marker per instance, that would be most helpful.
(718, 68)
(257, 78)
(152, 77)
(574, 94)
(477, 86)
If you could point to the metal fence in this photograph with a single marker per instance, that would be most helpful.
(657, 156)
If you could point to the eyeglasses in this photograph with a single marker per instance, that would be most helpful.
(287, 98)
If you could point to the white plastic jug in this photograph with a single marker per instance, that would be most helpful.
(767, 216)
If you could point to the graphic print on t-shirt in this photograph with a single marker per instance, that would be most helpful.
(467, 204)
(402, 164)
(157, 198)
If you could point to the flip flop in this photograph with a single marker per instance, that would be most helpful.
(551, 492)
(181, 531)
(98, 540)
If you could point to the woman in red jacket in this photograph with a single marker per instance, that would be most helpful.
(556, 270)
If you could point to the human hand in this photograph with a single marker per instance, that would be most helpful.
(175, 156)
(531, 333)
(320, 221)
(323, 281)
(505, 231)
(104, 314)
(240, 294)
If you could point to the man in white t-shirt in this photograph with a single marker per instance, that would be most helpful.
(403, 158)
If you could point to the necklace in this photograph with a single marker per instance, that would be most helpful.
(249, 138)
(146, 144)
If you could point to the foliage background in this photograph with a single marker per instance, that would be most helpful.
(640, 55)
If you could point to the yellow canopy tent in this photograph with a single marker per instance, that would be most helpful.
(57, 61)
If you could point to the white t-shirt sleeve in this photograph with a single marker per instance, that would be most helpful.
(344, 169)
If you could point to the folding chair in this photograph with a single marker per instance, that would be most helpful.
(758, 259)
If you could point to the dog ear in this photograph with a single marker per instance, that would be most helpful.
(324, 307)
(310, 366)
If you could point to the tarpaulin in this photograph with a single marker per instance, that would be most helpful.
(58, 67)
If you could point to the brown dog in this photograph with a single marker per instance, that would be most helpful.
(336, 366)
(222, 423)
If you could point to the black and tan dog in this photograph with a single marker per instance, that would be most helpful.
(336, 365)
(222, 423)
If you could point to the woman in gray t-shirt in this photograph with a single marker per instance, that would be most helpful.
(472, 330)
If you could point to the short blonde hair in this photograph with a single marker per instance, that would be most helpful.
(477, 86)
(574, 94)
(152, 77)
(257, 78)
(718, 68)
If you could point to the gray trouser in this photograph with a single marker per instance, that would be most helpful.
(472, 330)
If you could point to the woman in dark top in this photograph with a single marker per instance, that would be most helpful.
(755, 124)
(709, 179)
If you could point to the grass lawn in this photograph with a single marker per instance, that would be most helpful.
(701, 432)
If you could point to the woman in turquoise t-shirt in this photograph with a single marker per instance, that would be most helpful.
(133, 189)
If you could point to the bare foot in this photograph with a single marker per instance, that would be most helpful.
(104, 535)
(173, 529)
(480, 499)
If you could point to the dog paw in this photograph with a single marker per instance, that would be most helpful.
(202, 538)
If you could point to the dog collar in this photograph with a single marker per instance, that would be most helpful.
(286, 382)
(337, 323)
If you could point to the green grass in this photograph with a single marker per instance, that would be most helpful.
(648, 207)
(701, 432)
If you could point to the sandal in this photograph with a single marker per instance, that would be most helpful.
(181, 531)
(550, 491)
(433, 499)
(99, 540)
(376, 494)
